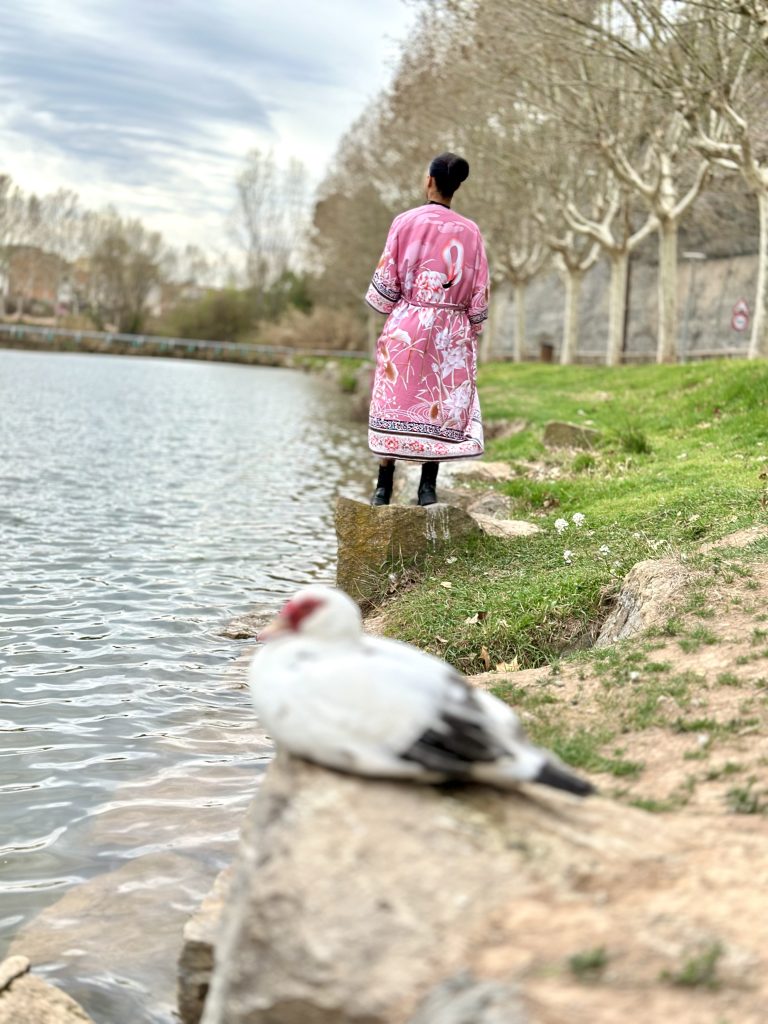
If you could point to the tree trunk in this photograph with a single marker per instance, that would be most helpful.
(617, 307)
(520, 290)
(488, 341)
(666, 351)
(573, 279)
(758, 345)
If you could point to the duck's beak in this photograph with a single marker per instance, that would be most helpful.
(279, 625)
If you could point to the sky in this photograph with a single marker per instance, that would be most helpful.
(152, 104)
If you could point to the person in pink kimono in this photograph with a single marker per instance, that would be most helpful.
(432, 282)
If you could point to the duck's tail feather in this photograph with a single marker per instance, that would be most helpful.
(551, 774)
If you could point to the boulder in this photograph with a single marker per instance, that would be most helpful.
(559, 434)
(26, 999)
(646, 599)
(374, 541)
(360, 901)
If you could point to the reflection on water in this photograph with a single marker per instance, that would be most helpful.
(143, 503)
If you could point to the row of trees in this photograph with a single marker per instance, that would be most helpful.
(591, 125)
(116, 271)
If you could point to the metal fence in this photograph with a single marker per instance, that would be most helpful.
(49, 335)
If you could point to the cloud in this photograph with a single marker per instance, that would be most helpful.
(152, 105)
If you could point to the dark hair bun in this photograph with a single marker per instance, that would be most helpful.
(448, 170)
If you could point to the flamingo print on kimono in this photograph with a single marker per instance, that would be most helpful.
(432, 282)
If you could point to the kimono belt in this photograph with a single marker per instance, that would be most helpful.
(435, 305)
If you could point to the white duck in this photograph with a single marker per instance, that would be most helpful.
(328, 693)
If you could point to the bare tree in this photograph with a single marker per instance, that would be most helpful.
(271, 217)
(717, 64)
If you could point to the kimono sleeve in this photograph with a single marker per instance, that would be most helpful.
(384, 290)
(478, 306)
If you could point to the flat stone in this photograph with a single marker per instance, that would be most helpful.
(30, 1000)
(505, 527)
(559, 434)
(482, 472)
(196, 960)
(375, 541)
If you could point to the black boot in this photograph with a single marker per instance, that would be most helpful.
(427, 492)
(383, 491)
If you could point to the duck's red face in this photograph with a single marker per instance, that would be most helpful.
(291, 618)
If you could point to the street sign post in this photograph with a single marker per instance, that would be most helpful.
(740, 316)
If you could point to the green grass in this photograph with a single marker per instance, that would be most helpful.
(744, 800)
(700, 971)
(589, 964)
(678, 464)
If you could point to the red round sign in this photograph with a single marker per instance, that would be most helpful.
(740, 316)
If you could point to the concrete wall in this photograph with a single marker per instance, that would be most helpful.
(707, 292)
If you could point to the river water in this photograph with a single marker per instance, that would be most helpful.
(143, 504)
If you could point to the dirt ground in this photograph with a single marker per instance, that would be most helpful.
(680, 720)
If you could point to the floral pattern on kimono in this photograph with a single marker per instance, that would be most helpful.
(432, 283)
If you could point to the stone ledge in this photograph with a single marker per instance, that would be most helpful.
(373, 541)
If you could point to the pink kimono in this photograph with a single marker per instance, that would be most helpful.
(432, 280)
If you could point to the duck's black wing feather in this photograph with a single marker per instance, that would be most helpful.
(458, 737)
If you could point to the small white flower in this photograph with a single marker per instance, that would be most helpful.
(568, 555)
(561, 524)
(578, 518)
(604, 549)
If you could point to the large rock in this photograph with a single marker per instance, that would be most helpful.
(558, 434)
(26, 999)
(374, 541)
(371, 902)
(647, 598)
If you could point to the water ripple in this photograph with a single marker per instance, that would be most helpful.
(143, 503)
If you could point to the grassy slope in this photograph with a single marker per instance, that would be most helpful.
(707, 428)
